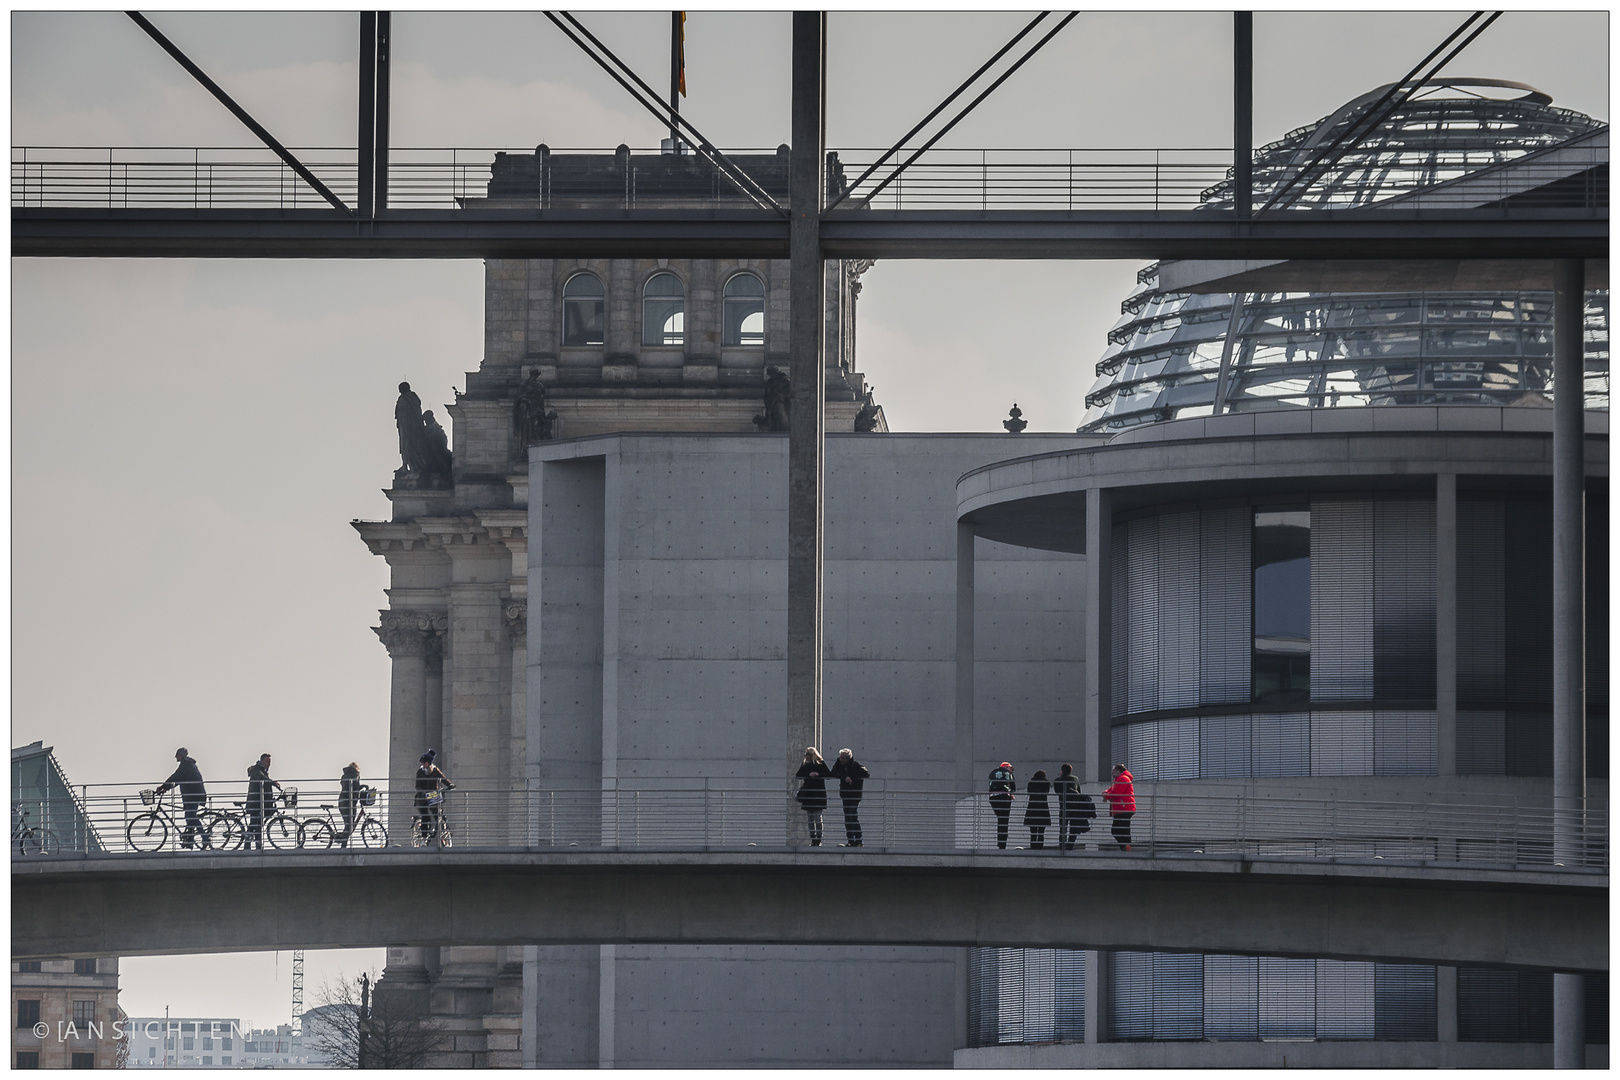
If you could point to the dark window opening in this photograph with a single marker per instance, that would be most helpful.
(584, 303)
(1282, 606)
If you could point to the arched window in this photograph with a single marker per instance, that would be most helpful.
(744, 310)
(583, 304)
(663, 311)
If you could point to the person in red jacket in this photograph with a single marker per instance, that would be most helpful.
(1121, 798)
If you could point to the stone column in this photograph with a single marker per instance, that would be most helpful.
(1445, 622)
(410, 636)
(1099, 632)
(517, 738)
(1569, 624)
(1445, 1005)
(1094, 996)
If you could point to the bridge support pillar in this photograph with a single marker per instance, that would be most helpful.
(1569, 623)
(1445, 622)
(1099, 632)
(965, 652)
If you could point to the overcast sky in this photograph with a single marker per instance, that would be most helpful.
(190, 439)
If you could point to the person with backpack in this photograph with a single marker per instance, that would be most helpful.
(1075, 808)
(428, 779)
(851, 774)
(1037, 815)
(1002, 788)
(348, 799)
(1121, 799)
(812, 794)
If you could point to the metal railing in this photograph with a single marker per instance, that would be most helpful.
(737, 814)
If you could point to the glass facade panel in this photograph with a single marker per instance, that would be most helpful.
(663, 311)
(584, 303)
(1282, 606)
(744, 310)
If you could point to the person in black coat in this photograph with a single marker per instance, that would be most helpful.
(1075, 808)
(851, 775)
(261, 804)
(348, 799)
(1037, 815)
(1002, 788)
(188, 778)
(812, 794)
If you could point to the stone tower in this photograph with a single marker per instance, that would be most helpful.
(572, 347)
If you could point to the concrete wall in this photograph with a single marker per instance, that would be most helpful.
(1272, 1055)
(687, 650)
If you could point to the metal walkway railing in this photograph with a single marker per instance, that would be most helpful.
(739, 814)
(442, 178)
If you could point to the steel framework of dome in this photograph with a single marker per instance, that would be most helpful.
(1323, 350)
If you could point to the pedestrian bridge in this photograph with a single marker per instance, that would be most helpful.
(110, 904)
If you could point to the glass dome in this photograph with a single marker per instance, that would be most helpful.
(1327, 350)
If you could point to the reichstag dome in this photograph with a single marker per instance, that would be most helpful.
(1305, 350)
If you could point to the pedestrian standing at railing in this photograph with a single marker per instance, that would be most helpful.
(1075, 808)
(851, 775)
(812, 794)
(192, 794)
(1121, 799)
(348, 799)
(1037, 815)
(1002, 788)
(261, 804)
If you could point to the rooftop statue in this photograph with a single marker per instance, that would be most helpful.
(437, 461)
(408, 418)
(778, 401)
(530, 418)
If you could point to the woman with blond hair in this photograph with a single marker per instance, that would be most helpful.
(812, 794)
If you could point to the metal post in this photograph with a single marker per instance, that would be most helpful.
(676, 65)
(385, 23)
(1569, 623)
(367, 138)
(965, 648)
(806, 422)
(1243, 113)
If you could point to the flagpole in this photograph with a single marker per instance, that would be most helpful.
(677, 75)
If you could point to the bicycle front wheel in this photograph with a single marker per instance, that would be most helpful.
(282, 832)
(316, 833)
(147, 832)
(372, 834)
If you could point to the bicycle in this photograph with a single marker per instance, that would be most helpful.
(326, 832)
(149, 831)
(429, 827)
(32, 841)
(279, 828)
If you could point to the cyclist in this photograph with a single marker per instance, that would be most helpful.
(192, 794)
(260, 803)
(428, 778)
(348, 798)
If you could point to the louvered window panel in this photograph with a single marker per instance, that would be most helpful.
(1341, 744)
(1142, 750)
(984, 983)
(1287, 998)
(1178, 610)
(1406, 743)
(1403, 600)
(1345, 1000)
(1178, 749)
(1282, 744)
(1142, 598)
(1341, 601)
(1156, 996)
(1481, 743)
(1026, 996)
(1481, 658)
(1119, 744)
(1406, 1003)
(1527, 614)
(1223, 746)
(1597, 1009)
(1224, 638)
(1231, 998)
(1503, 1005)
(1120, 648)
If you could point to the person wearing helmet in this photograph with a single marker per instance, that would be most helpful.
(1002, 787)
(428, 778)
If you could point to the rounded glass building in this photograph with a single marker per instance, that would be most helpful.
(1168, 353)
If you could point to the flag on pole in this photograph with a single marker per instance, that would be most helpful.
(680, 50)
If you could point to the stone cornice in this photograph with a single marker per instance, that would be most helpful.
(384, 537)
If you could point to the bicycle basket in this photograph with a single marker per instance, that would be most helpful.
(290, 797)
(148, 795)
(368, 796)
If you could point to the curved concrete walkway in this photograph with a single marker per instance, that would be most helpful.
(1351, 910)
